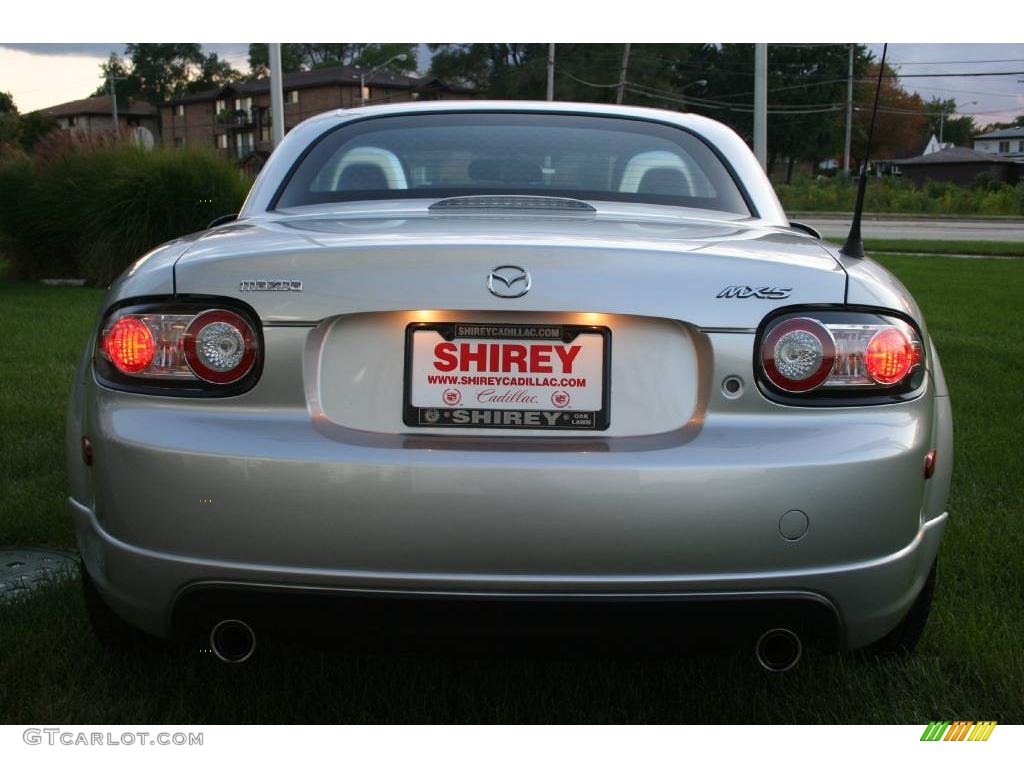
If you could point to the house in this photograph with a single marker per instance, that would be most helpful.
(934, 145)
(1007, 143)
(95, 116)
(235, 119)
(959, 165)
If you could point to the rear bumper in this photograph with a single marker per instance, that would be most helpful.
(868, 597)
(262, 492)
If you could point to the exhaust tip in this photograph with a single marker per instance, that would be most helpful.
(232, 641)
(779, 649)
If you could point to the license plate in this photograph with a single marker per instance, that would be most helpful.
(501, 376)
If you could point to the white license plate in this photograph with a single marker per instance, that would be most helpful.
(488, 375)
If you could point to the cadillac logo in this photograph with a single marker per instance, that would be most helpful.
(508, 281)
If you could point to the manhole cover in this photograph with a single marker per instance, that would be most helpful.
(22, 570)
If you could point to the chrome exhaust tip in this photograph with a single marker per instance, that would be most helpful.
(232, 641)
(779, 649)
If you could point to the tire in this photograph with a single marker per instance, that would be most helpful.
(904, 637)
(112, 632)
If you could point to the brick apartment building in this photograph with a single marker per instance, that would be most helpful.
(235, 119)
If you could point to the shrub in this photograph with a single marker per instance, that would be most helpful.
(88, 208)
(986, 196)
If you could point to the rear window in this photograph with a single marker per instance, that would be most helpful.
(578, 156)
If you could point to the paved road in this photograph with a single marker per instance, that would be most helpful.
(921, 229)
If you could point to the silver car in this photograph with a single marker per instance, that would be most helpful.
(512, 352)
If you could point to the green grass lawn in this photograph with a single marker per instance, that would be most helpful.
(42, 332)
(957, 247)
(970, 664)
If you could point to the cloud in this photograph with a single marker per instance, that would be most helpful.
(67, 49)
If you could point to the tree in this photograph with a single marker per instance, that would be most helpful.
(902, 125)
(300, 56)
(807, 84)
(24, 131)
(159, 71)
(34, 126)
(213, 73)
(807, 93)
(942, 122)
(658, 75)
(163, 70)
(10, 123)
(583, 71)
(497, 70)
(1017, 122)
(125, 86)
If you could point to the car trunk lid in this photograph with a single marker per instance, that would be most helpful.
(706, 272)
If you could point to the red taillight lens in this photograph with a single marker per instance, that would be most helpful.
(836, 356)
(129, 344)
(220, 346)
(890, 356)
(179, 348)
(798, 354)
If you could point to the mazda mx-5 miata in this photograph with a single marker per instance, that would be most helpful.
(511, 353)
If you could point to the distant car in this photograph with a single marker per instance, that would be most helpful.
(564, 353)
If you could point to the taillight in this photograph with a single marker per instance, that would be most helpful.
(833, 357)
(129, 345)
(890, 355)
(180, 347)
(798, 354)
(220, 347)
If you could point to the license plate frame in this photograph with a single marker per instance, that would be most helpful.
(444, 417)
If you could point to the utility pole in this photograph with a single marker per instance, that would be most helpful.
(112, 87)
(551, 71)
(622, 74)
(363, 74)
(847, 146)
(276, 94)
(942, 125)
(761, 104)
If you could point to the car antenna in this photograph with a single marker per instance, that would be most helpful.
(854, 245)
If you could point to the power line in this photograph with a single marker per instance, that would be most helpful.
(898, 111)
(962, 61)
(585, 82)
(729, 107)
(898, 75)
(718, 102)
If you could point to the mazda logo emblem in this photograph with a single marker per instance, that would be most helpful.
(508, 281)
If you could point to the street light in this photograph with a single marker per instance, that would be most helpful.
(363, 75)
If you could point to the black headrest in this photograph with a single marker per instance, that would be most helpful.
(663, 181)
(360, 176)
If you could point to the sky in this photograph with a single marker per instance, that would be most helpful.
(42, 74)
